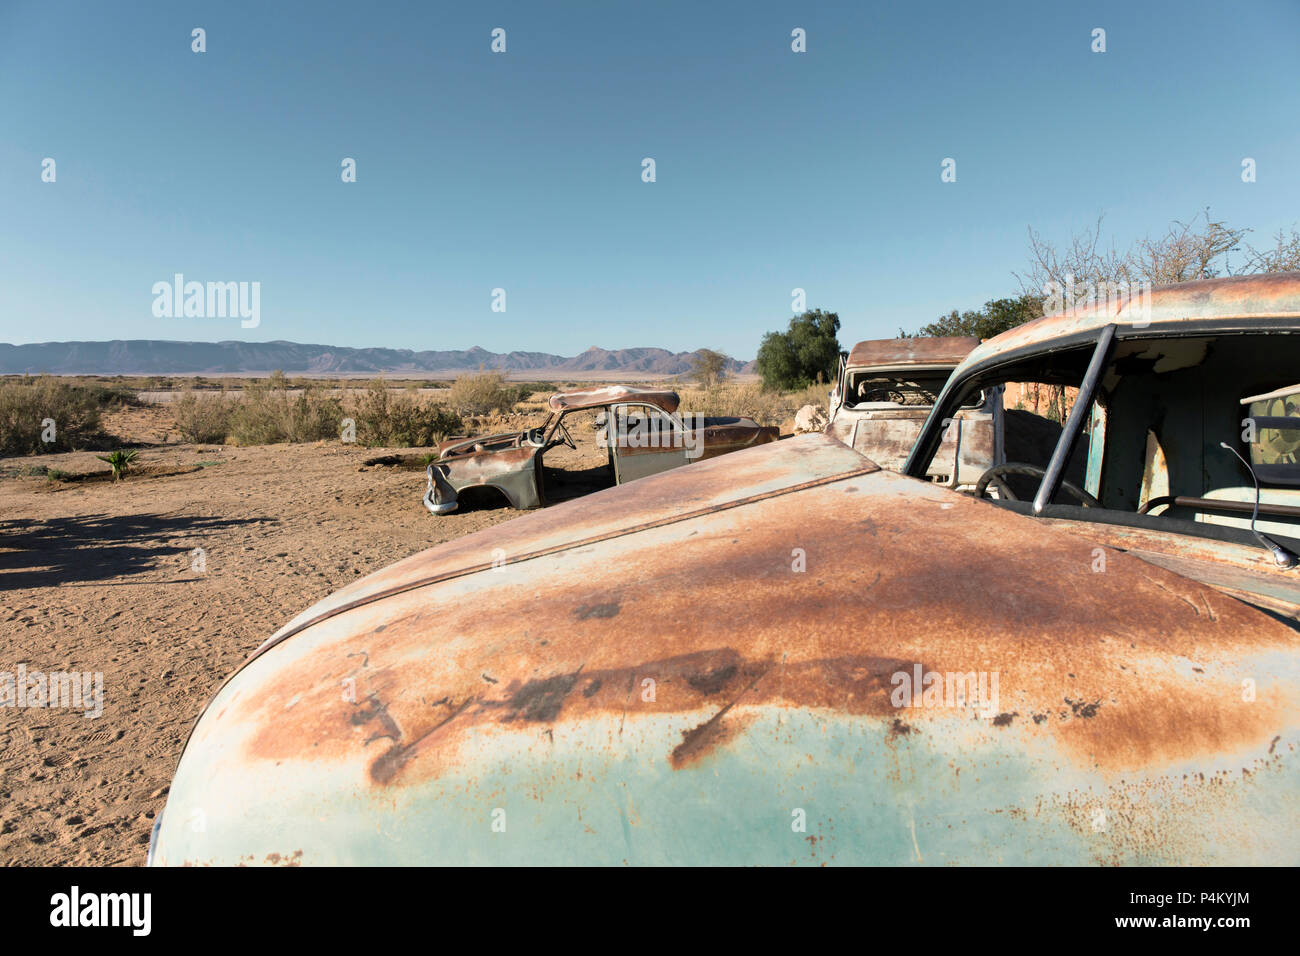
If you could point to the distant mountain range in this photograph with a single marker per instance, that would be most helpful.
(158, 357)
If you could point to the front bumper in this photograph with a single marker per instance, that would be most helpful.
(440, 496)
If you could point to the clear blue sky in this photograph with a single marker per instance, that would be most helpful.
(523, 170)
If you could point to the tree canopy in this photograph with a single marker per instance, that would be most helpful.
(807, 352)
(995, 317)
(708, 367)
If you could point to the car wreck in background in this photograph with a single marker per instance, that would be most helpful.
(795, 656)
(639, 428)
(883, 394)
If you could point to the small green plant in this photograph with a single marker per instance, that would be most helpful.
(119, 461)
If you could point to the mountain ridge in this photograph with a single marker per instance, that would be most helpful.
(230, 357)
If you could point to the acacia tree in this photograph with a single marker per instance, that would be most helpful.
(1185, 253)
(807, 352)
(1283, 257)
(1200, 248)
(708, 367)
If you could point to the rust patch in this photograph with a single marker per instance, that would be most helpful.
(607, 610)
(922, 350)
(386, 767)
(288, 859)
(1083, 709)
(711, 682)
(709, 735)
(374, 710)
(541, 700)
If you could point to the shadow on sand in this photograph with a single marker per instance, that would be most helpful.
(64, 551)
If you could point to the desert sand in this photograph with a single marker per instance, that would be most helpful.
(97, 576)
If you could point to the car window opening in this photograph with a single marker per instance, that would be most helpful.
(1145, 448)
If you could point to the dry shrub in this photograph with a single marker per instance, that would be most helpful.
(26, 404)
(204, 417)
(484, 393)
(400, 420)
(268, 414)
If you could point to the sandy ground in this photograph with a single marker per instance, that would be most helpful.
(102, 577)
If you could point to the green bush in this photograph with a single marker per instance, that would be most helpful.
(28, 404)
(807, 353)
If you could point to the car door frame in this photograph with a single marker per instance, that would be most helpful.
(631, 465)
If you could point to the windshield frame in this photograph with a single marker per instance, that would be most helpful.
(1099, 344)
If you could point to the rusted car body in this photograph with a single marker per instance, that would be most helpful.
(883, 395)
(640, 429)
(795, 656)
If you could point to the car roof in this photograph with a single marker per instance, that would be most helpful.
(921, 350)
(611, 395)
(1205, 306)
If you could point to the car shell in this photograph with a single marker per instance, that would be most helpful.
(885, 431)
(700, 668)
(511, 462)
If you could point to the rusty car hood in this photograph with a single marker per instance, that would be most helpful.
(1242, 570)
(615, 511)
(668, 671)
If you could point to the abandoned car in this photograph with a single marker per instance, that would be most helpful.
(791, 655)
(884, 391)
(639, 430)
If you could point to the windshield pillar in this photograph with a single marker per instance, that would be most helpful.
(1087, 388)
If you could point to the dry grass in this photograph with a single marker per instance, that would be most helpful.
(750, 401)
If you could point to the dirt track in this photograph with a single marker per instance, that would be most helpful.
(102, 577)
